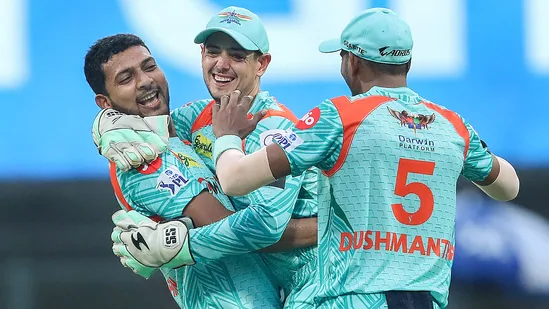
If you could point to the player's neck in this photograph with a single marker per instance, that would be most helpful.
(385, 81)
(171, 128)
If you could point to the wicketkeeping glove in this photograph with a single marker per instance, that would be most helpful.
(144, 245)
(129, 140)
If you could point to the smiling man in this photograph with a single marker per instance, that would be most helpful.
(234, 49)
(126, 78)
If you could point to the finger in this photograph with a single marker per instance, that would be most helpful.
(246, 102)
(235, 96)
(116, 250)
(123, 261)
(119, 215)
(114, 154)
(156, 142)
(257, 117)
(131, 154)
(146, 152)
(121, 251)
(126, 238)
(223, 101)
(137, 150)
(215, 109)
(125, 224)
(115, 235)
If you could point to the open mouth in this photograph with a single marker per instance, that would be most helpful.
(221, 79)
(150, 99)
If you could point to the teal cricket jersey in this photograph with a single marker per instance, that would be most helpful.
(264, 213)
(387, 210)
(162, 190)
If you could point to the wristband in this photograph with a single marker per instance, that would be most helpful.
(225, 143)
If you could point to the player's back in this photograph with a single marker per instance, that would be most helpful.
(164, 189)
(392, 197)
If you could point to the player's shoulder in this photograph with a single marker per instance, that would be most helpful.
(452, 116)
(196, 103)
(195, 106)
(274, 108)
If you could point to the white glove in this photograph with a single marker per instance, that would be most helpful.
(144, 245)
(129, 140)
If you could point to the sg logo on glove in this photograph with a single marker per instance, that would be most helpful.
(172, 238)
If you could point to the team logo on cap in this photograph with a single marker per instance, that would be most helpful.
(413, 121)
(233, 17)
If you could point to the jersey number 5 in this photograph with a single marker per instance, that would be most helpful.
(426, 199)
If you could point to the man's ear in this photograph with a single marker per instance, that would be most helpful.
(263, 62)
(354, 63)
(102, 101)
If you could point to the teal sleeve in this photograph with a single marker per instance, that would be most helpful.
(315, 140)
(478, 161)
(265, 218)
(164, 193)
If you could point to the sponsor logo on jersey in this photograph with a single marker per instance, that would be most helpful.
(172, 285)
(266, 138)
(420, 144)
(203, 145)
(395, 242)
(148, 169)
(187, 160)
(288, 140)
(412, 121)
(171, 180)
(309, 120)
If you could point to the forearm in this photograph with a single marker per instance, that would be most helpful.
(240, 174)
(248, 230)
(258, 226)
(300, 233)
(506, 185)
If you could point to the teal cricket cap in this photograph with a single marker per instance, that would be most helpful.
(377, 35)
(241, 24)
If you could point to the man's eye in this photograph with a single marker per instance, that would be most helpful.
(125, 79)
(238, 57)
(151, 67)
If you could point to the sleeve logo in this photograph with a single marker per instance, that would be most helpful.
(288, 140)
(171, 180)
(309, 120)
(266, 138)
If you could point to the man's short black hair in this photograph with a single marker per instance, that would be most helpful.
(389, 69)
(101, 52)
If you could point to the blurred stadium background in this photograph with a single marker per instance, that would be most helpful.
(488, 60)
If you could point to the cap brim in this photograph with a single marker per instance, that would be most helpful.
(238, 37)
(330, 46)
